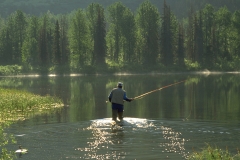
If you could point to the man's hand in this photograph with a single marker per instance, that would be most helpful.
(131, 99)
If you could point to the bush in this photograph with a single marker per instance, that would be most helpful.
(10, 70)
(192, 66)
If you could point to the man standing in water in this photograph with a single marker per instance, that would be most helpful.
(117, 97)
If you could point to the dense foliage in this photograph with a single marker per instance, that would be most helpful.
(95, 40)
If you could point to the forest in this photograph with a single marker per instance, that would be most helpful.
(115, 38)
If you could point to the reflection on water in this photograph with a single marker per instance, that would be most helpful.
(200, 97)
(169, 124)
(137, 138)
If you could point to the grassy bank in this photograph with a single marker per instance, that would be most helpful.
(210, 153)
(18, 105)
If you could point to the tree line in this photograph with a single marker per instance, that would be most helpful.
(96, 39)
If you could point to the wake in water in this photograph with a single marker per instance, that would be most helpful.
(134, 139)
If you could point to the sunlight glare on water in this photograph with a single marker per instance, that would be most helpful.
(137, 138)
(171, 123)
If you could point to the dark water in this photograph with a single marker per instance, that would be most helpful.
(168, 124)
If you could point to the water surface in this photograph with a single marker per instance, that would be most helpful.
(170, 123)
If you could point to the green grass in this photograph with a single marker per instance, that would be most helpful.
(210, 153)
(19, 105)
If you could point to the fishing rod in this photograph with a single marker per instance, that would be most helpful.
(142, 95)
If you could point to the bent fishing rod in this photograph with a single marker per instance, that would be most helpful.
(142, 95)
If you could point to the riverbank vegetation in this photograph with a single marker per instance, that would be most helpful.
(99, 40)
(210, 153)
(19, 105)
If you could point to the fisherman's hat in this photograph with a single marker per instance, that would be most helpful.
(120, 84)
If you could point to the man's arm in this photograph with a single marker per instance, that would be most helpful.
(110, 97)
(126, 98)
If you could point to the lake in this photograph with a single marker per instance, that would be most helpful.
(167, 124)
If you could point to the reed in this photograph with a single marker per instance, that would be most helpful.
(210, 153)
(19, 105)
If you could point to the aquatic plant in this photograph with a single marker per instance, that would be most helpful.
(4, 140)
(210, 153)
(19, 105)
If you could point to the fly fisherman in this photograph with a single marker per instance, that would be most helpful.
(117, 97)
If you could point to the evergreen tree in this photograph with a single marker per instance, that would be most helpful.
(208, 29)
(20, 32)
(223, 33)
(10, 37)
(13, 35)
(148, 24)
(129, 36)
(180, 48)
(56, 45)
(79, 40)
(190, 37)
(30, 48)
(114, 37)
(6, 47)
(166, 37)
(236, 37)
(99, 39)
(95, 14)
(198, 38)
(43, 50)
(64, 43)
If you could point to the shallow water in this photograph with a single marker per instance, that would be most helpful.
(136, 139)
(169, 124)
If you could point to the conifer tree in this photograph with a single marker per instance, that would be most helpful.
(190, 37)
(199, 43)
(30, 48)
(208, 32)
(79, 40)
(114, 37)
(148, 23)
(64, 43)
(6, 55)
(20, 33)
(166, 37)
(180, 49)
(43, 50)
(99, 39)
(95, 14)
(56, 45)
